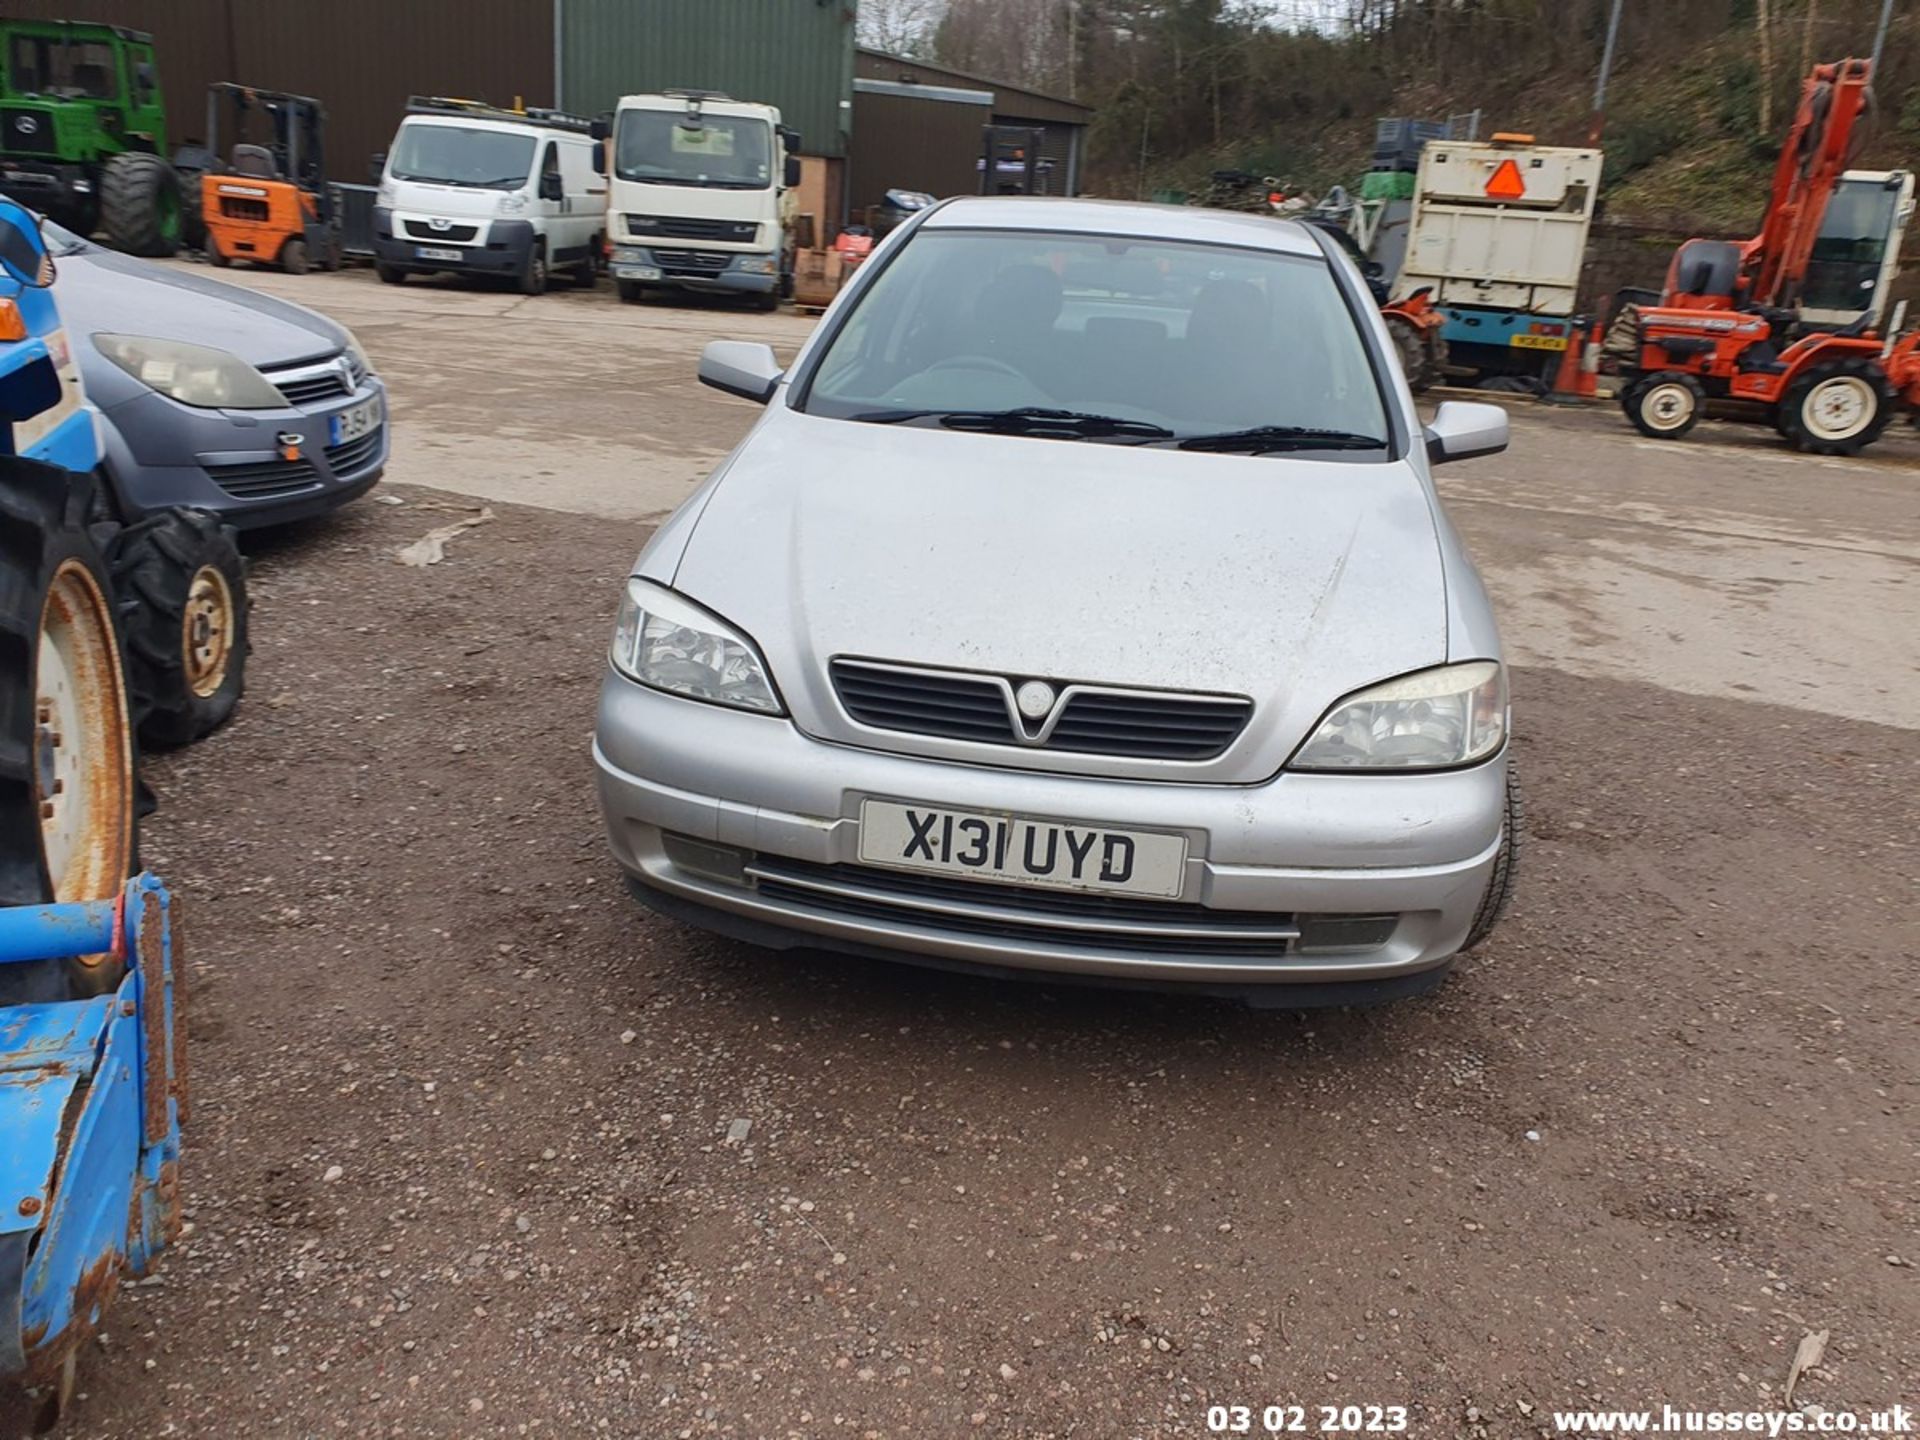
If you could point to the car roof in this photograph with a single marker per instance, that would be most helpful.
(1190, 223)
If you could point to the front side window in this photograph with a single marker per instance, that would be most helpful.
(672, 148)
(1108, 338)
(461, 155)
(1844, 269)
(53, 67)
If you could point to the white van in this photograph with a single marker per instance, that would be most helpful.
(702, 195)
(470, 189)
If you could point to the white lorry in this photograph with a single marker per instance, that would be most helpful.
(1498, 236)
(702, 196)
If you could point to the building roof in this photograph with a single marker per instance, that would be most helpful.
(1010, 101)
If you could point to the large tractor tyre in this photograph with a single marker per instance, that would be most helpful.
(1422, 353)
(1506, 864)
(140, 206)
(67, 791)
(1664, 405)
(1836, 408)
(182, 588)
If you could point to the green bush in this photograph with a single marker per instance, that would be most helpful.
(1636, 141)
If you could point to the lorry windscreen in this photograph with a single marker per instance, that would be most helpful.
(461, 155)
(665, 147)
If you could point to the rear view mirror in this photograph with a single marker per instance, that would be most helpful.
(741, 367)
(600, 128)
(377, 166)
(792, 176)
(551, 188)
(1464, 429)
(599, 157)
(23, 253)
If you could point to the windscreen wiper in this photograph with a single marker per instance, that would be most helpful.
(1030, 420)
(1264, 438)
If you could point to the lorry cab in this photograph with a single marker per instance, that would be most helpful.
(470, 189)
(702, 196)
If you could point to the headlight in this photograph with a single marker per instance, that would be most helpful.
(512, 203)
(386, 194)
(632, 255)
(192, 374)
(672, 644)
(1454, 715)
(757, 264)
(359, 356)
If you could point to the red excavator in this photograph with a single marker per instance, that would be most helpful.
(1729, 325)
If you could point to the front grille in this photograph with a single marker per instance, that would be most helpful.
(265, 479)
(680, 227)
(236, 207)
(454, 234)
(1015, 912)
(311, 383)
(354, 454)
(692, 262)
(28, 132)
(956, 705)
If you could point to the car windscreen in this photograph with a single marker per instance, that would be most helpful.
(665, 147)
(461, 155)
(1112, 337)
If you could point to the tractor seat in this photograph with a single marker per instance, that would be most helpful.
(256, 161)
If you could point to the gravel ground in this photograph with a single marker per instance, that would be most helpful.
(479, 1148)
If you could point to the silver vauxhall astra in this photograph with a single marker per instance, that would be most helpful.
(1080, 604)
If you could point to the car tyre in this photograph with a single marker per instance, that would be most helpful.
(182, 585)
(1506, 863)
(1664, 405)
(1837, 408)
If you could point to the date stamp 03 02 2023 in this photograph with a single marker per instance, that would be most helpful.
(1307, 1419)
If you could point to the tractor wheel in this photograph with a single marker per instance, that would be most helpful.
(140, 204)
(183, 590)
(1664, 405)
(1837, 408)
(67, 791)
(293, 256)
(1422, 352)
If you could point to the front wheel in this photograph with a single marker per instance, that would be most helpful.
(1664, 405)
(390, 274)
(1506, 864)
(533, 279)
(631, 292)
(140, 204)
(1837, 408)
(186, 625)
(293, 256)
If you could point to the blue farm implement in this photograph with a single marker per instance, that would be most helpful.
(91, 1096)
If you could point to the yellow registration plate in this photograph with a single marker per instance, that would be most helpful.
(1539, 342)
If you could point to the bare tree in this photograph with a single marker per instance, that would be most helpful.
(899, 27)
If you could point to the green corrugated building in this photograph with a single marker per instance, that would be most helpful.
(793, 54)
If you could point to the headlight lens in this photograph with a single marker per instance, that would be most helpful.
(192, 374)
(359, 356)
(512, 203)
(1454, 715)
(757, 264)
(671, 644)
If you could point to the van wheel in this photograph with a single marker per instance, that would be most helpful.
(390, 274)
(587, 273)
(632, 292)
(293, 257)
(1837, 408)
(533, 279)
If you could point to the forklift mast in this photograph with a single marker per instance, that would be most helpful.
(1812, 160)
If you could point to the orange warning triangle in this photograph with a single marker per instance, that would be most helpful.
(1505, 183)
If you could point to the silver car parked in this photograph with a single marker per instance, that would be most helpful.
(1081, 604)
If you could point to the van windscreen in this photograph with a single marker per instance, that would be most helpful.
(461, 155)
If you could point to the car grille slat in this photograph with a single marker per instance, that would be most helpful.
(354, 454)
(311, 389)
(265, 479)
(455, 234)
(1144, 724)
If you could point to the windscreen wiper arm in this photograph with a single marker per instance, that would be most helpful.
(1030, 420)
(1262, 438)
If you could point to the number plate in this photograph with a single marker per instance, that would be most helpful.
(1017, 850)
(1539, 342)
(362, 419)
(636, 272)
(427, 252)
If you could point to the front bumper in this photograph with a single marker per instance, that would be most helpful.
(1303, 849)
(713, 272)
(501, 248)
(161, 453)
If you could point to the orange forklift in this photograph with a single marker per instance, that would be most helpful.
(270, 203)
(1728, 325)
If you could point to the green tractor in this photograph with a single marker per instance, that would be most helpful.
(83, 135)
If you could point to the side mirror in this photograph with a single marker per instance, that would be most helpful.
(740, 367)
(600, 128)
(377, 166)
(551, 188)
(23, 251)
(792, 176)
(790, 138)
(599, 157)
(1464, 429)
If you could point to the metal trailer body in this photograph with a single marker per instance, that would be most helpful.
(91, 1097)
(1498, 234)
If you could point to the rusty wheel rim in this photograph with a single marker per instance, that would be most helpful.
(83, 754)
(206, 631)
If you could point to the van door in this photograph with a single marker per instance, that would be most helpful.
(549, 204)
(586, 192)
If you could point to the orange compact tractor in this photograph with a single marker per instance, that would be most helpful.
(270, 203)
(1732, 322)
